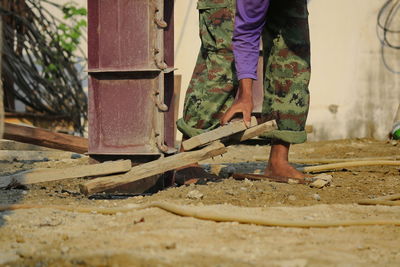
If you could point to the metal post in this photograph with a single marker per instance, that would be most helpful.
(1, 80)
(127, 72)
(130, 52)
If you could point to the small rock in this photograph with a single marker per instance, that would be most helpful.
(76, 156)
(64, 237)
(321, 181)
(292, 198)
(258, 171)
(319, 184)
(394, 143)
(216, 169)
(324, 176)
(317, 197)
(248, 182)
(26, 252)
(7, 218)
(171, 246)
(138, 221)
(227, 171)
(19, 239)
(195, 194)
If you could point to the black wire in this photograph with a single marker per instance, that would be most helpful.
(385, 20)
(28, 49)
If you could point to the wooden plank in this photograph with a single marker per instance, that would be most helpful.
(153, 168)
(45, 175)
(252, 132)
(9, 156)
(42, 137)
(217, 134)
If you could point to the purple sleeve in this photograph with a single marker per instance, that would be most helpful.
(249, 23)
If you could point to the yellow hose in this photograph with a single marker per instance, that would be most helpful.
(213, 216)
(385, 200)
(328, 161)
(349, 165)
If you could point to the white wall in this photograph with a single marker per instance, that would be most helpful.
(348, 74)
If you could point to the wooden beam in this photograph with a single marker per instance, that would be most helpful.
(42, 137)
(153, 168)
(45, 175)
(217, 134)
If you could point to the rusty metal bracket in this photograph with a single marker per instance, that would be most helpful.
(161, 64)
(160, 105)
(169, 70)
(160, 143)
(160, 22)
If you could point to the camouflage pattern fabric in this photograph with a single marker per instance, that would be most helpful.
(211, 90)
(286, 62)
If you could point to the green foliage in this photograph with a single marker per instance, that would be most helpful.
(70, 33)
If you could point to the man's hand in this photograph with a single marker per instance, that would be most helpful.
(243, 104)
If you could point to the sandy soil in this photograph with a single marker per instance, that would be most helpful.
(153, 237)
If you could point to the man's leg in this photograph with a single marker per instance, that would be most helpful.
(212, 86)
(287, 75)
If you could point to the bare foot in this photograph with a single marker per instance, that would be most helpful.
(283, 169)
(278, 164)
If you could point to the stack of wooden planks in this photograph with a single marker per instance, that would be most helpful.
(119, 173)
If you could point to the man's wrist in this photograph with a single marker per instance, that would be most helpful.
(246, 88)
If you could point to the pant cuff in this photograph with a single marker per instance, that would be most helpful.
(291, 137)
(186, 130)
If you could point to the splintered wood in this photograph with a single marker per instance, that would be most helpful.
(153, 168)
(45, 175)
(217, 134)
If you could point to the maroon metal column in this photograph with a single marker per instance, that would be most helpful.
(130, 69)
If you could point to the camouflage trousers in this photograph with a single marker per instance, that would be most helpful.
(286, 50)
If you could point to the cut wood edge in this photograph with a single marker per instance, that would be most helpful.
(35, 176)
(253, 132)
(217, 134)
(151, 168)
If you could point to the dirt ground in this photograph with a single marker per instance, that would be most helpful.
(153, 237)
